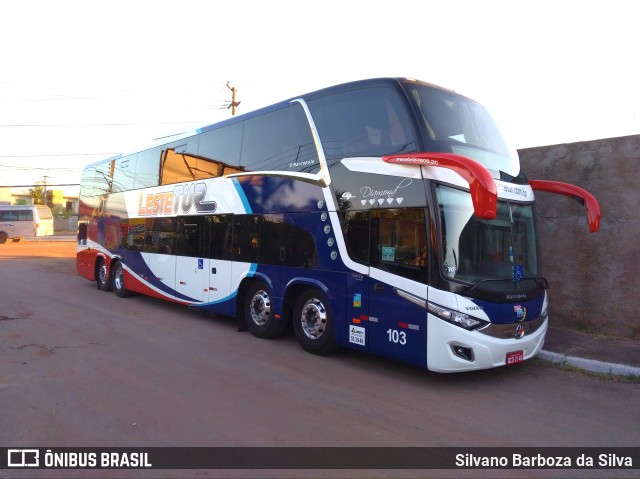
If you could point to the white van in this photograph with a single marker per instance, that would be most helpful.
(19, 221)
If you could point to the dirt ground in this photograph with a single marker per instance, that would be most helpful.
(50, 249)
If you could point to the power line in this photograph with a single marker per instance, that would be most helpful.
(63, 154)
(35, 185)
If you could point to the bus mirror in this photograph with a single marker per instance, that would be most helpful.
(481, 183)
(575, 192)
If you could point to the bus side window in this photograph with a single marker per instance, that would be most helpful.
(246, 238)
(220, 236)
(279, 141)
(190, 236)
(355, 227)
(399, 242)
(82, 233)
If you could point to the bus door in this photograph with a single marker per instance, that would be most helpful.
(191, 280)
(160, 243)
(218, 278)
(397, 284)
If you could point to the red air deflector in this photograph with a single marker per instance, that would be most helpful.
(575, 192)
(481, 183)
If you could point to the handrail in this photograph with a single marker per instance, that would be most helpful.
(481, 183)
(575, 192)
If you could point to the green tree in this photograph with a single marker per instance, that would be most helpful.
(37, 193)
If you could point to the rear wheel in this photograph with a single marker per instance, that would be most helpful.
(258, 315)
(313, 322)
(118, 281)
(102, 276)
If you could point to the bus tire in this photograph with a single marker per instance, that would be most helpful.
(258, 315)
(118, 281)
(313, 322)
(103, 279)
(3, 237)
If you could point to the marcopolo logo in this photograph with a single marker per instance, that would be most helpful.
(23, 458)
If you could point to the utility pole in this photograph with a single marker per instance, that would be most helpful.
(44, 201)
(234, 104)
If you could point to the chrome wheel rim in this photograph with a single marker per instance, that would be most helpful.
(102, 274)
(313, 318)
(118, 278)
(260, 307)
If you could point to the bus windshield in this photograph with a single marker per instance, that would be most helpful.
(456, 124)
(474, 249)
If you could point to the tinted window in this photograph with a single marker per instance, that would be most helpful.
(220, 147)
(124, 173)
(160, 235)
(148, 168)
(279, 141)
(365, 122)
(190, 236)
(285, 244)
(246, 238)
(270, 240)
(399, 242)
(355, 228)
(103, 178)
(132, 233)
(87, 181)
(179, 161)
(17, 215)
(220, 235)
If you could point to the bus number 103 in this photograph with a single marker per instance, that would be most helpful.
(397, 337)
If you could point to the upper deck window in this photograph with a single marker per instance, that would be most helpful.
(364, 122)
(456, 124)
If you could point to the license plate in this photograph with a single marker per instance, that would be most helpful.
(515, 357)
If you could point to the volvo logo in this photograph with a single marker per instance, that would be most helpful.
(519, 332)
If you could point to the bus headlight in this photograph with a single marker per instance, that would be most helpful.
(455, 317)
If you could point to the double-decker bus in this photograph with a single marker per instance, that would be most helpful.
(387, 216)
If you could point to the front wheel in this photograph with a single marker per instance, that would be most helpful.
(118, 281)
(313, 323)
(258, 315)
(3, 237)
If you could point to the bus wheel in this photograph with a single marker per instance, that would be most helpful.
(118, 281)
(257, 312)
(3, 237)
(313, 323)
(102, 276)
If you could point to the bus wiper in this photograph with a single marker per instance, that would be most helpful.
(541, 282)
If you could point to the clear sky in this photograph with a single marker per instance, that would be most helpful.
(81, 80)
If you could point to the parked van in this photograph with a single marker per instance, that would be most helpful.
(20, 221)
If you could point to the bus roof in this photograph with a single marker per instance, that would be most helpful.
(388, 81)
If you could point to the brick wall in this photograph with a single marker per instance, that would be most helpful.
(594, 277)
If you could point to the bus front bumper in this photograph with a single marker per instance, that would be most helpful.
(454, 349)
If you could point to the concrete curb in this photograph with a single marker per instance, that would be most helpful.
(591, 365)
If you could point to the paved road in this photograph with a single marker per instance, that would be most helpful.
(83, 367)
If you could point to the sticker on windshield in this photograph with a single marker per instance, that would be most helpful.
(388, 254)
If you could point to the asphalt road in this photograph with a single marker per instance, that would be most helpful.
(81, 367)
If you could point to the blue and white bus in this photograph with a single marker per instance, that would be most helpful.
(386, 216)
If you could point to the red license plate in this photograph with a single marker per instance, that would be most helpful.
(515, 357)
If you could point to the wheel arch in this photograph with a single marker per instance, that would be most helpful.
(293, 289)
